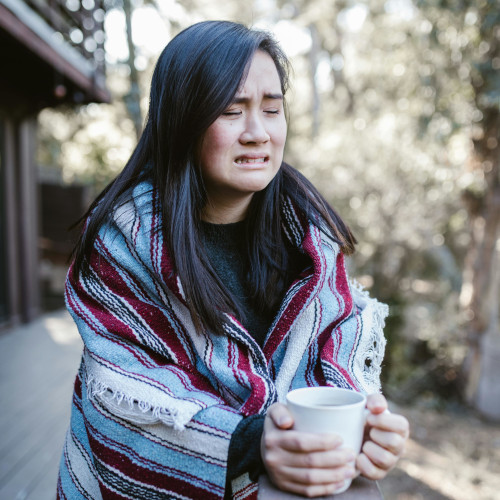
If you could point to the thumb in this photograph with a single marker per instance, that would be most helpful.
(281, 416)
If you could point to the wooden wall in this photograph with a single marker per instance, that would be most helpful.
(20, 216)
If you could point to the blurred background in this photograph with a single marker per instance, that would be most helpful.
(394, 114)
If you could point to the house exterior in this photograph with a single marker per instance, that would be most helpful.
(51, 53)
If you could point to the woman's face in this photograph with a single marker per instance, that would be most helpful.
(242, 150)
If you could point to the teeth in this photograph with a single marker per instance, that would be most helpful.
(250, 160)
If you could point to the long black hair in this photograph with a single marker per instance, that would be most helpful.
(195, 80)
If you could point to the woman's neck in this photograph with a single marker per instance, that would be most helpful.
(226, 213)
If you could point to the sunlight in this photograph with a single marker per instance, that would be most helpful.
(295, 40)
(61, 329)
(150, 33)
(353, 18)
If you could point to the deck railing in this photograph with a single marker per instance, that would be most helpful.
(79, 23)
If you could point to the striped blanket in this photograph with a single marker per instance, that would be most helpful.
(155, 401)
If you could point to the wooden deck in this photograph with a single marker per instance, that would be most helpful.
(38, 364)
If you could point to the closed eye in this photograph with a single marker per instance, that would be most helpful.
(231, 113)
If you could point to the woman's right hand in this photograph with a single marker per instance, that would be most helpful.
(307, 464)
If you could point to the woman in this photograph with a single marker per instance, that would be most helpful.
(209, 280)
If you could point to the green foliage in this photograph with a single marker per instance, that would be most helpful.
(384, 99)
(392, 154)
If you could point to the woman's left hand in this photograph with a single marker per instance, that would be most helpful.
(385, 438)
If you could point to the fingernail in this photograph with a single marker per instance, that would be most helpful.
(282, 421)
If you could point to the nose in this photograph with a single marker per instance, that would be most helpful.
(255, 130)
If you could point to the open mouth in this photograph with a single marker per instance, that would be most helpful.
(245, 160)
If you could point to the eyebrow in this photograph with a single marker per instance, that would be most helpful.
(242, 100)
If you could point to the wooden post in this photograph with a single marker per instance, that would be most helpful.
(12, 263)
(28, 221)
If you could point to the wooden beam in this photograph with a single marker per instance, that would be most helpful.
(28, 219)
(11, 222)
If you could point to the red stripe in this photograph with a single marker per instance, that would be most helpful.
(60, 491)
(145, 475)
(249, 492)
(258, 397)
(152, 315)
(166, 267)
(300, 298)
(121, 330)
(78, 387)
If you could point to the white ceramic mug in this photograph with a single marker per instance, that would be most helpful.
(330, 410)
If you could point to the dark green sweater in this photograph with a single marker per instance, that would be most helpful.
(227, 251)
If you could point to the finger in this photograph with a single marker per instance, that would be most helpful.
(280, 416)
(317, 476)
(376, 403)
(379, 457)
(310, 491)
(390, 422)
(322, 459)
(368, 469)
(391, 441)
(294, 442)
(306, 442)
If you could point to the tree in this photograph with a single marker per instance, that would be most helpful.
(133, 98)
(468, 35)
(409, 123)
(378, 145)
(481, 275)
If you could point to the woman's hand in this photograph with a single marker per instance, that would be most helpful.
(385, 439)
(303, 463)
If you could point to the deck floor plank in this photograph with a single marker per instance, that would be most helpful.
(38, 364)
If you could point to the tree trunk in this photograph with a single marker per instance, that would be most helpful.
(133, 98)
(480, 292)
(313, 64)
(482, 272)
